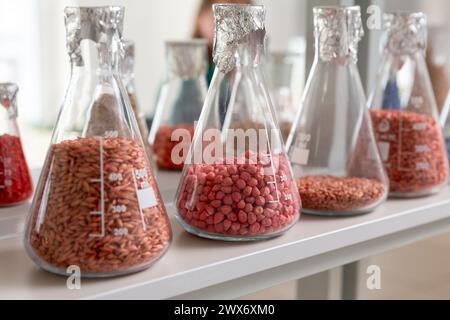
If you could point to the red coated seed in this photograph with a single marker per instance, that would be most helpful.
(228, 200)
(227, 181)
(235, 226)
(227, 224)
(339, 193)
(216, 203)
(232, 217)
(15, 178)
(416, 160)
(248, 191)
(242, 217)
(220, 195)
(242, 196)
(218, 217)
(251, 218)
(226, 209)
(236, 197)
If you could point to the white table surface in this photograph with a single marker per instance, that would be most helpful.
(200, 268)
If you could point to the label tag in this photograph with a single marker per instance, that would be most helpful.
(146, 198)
(384, 150)
(300, 156)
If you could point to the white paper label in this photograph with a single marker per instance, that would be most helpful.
(146, 198)
(300, 156)
(384, 150)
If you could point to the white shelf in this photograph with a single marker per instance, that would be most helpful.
(199, 268)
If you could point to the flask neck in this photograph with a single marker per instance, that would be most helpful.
(240, 36)
(249, 55)
(325, 54)
(186, 59)
(337, 31)
(8, 100)
(405, 34)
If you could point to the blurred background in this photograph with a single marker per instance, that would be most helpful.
(33, 54)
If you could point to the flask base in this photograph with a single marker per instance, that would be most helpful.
(418, 194)
(90, 275)
(344, 213)
(235, 238)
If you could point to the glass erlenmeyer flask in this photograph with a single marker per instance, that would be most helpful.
(15, 180)
(180, 102)
(332, 146)
(128, 77)
(237, 183)
(97, 205)
(404, 112)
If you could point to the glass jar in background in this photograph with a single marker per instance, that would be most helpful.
(445, 122)
(404, 111)
(128, 76)
(332, 146)
(180, 102)
(237, 184)
(97, 205)
(285, 76)
(15, 181)
(437, 63)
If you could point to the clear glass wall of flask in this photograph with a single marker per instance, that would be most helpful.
(15, 180)
(285, 76)
(331, 146)
(237, 183)
(97, 205)
(404, 111)
(128, 77)
(180, 102)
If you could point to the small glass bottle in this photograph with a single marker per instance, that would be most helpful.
(404, 112)
(15, 181)
(237, 184)
(128, 77)
(332, 146)
(97, 205)
(180, 101)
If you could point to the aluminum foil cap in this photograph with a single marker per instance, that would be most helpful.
(187, 59)
(236, 25)
(338, 31)
(406, 33)
(103, 25)
(8, 98)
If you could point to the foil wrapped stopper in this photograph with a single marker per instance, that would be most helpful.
(8, 98)
(338, 31)
(103, 25)
(187, 59)
(406, 33)
(237, 25)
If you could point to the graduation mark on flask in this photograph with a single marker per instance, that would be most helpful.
(101, 181)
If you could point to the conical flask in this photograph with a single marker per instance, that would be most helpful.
(180, 102)
(404, 111)
(97, 206)
(128, 77)
(237, 184)
(15, 181)
(332, 146)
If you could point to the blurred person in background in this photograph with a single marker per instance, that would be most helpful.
(204, 26)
